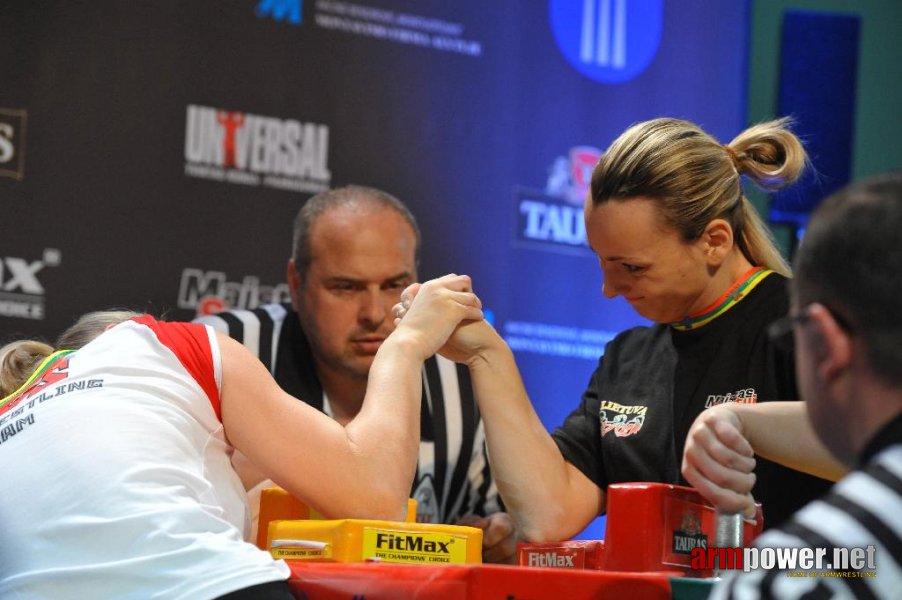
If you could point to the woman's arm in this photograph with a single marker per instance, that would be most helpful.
(548, 497)
(364, 469)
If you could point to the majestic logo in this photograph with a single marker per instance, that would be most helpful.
(623, 420)
(255, 150)
(210, 292)
(746, 396)
(689, 536)
(553, 219)
(281, 10)
(21, 292)
(610, 41)
(12, 143)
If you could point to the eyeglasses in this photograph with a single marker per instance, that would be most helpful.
(780, 331)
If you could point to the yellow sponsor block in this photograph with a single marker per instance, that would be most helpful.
(356, 540)
(277, 504)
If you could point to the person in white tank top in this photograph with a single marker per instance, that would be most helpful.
(118, 481)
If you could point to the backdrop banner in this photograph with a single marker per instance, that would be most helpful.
(154, 154)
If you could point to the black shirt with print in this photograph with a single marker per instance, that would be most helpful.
(653, 381)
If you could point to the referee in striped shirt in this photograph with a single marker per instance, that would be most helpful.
(847, 325)
(355, 249)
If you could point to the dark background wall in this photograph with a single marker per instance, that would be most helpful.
(154, 154)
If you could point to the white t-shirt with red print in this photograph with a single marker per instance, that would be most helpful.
(117, 479)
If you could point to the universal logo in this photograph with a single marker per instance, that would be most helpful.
(12, 142)
(248, 149)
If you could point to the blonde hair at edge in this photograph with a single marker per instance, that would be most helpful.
(19, 359)
(695, 179)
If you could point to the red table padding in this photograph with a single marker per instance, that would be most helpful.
(373, 581)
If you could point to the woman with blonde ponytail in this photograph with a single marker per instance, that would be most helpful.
(676, 237)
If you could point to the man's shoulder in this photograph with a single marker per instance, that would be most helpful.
(229, 320)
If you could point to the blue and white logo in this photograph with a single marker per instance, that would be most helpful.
(280, 10)
(610, 41)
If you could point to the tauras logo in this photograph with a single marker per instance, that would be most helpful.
(250, 149)
(553, 219)
(210, 292)
(21, 291)
(546, 223)
(411, 543)
(550, 559)
(685, 543)
(690, 535)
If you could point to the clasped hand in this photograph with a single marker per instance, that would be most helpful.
(468, 335)
(430, 312)
(719, 462)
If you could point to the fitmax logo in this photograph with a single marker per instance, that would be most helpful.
(21, 292)
(281, 10)
(411, 543)
(550, 559)
(610, 41)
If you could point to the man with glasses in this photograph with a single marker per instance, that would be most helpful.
(847, 326)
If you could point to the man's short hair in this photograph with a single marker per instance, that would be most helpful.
(850, 260)
(351, 196)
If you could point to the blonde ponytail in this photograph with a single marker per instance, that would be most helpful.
(18, 360)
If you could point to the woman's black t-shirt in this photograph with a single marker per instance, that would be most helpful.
(653, 381)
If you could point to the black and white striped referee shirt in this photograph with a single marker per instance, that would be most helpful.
(452, 478)
(863, 509)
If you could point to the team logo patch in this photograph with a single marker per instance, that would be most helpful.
(623, 421)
